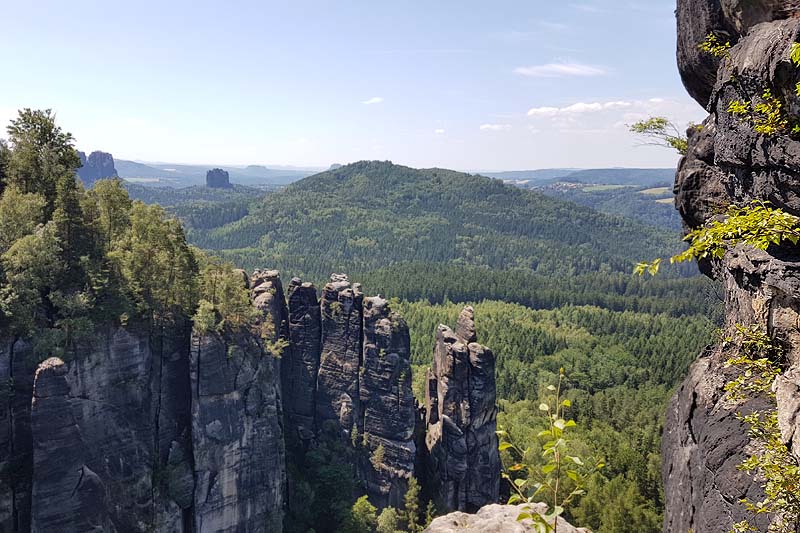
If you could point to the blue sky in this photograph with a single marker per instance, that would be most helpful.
(471, 85)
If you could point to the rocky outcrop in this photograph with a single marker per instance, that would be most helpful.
(237, 435)
(157, 427)
(387, 404)
(340, 359)
(216, 178)
(300, 363)
(16, 447)
(728, 162)
(145, 429)
(462, 464)
(97, 166)
(496, 519)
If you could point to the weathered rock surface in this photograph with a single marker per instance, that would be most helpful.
(387, 404)
(495, 518)
(16, 447)
(728, 20)
(728, 162)
(462, 464)
(97, 166)
(300, 363)
(216, 178)
(340, 359)
(237, 435)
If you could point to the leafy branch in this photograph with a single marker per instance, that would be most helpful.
(563, 475)
(756, 224)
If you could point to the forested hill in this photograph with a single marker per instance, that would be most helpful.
(370, 215)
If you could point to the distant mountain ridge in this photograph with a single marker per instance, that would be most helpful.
(373, 214)
(649, 177)
(161, 174)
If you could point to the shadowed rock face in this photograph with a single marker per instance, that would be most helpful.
(462, 464)
(387, 403)
(97, 166)
(727, 162)
(144, 430)
(216, 178)
(237, 435)
(340, 360)
(300, 364)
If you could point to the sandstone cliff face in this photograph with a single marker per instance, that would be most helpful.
(146, 429)
(162, 428)
(387, 403)
(237, 435)
(462, 464)
(301, 362)
(348, 364)
(729, 163)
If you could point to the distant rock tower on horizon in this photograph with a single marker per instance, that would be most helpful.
(216, 178)
(97, 166)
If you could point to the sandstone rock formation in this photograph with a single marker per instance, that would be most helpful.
(387, 404)
(340, 359)
(162, 428)
(495, 519)
(728, 162)
(348, 363)
(300, 363)
(97, 166)
(122, 435)
(462, 464)
(216, 178)
(237, 435)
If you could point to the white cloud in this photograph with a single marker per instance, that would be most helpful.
(439, 131)
(559, 70)
(373, 100)
(578, 108)
(543, 111)
(495, 127)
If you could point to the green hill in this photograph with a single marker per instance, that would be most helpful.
(370, 215)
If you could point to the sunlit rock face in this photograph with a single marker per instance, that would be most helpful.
(461, 461)
(728, 162)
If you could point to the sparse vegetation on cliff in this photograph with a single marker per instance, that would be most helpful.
(759, 362)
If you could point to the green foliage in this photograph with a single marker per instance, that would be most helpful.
(362, 517)
(377, 457)
(20, 214)
(562, 475)
(71, 259)
(389, 521)
(794, 55)
(156, 262)
(662, 132)
(714, 46)
(324, 223)
(321, 482)
(223, 297)
(411, 506)
(41, 153)
(757, 225)
(758, 363)
(623, 367)
(625, 201)
(766, 115)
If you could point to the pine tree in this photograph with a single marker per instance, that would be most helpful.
(411, 512)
